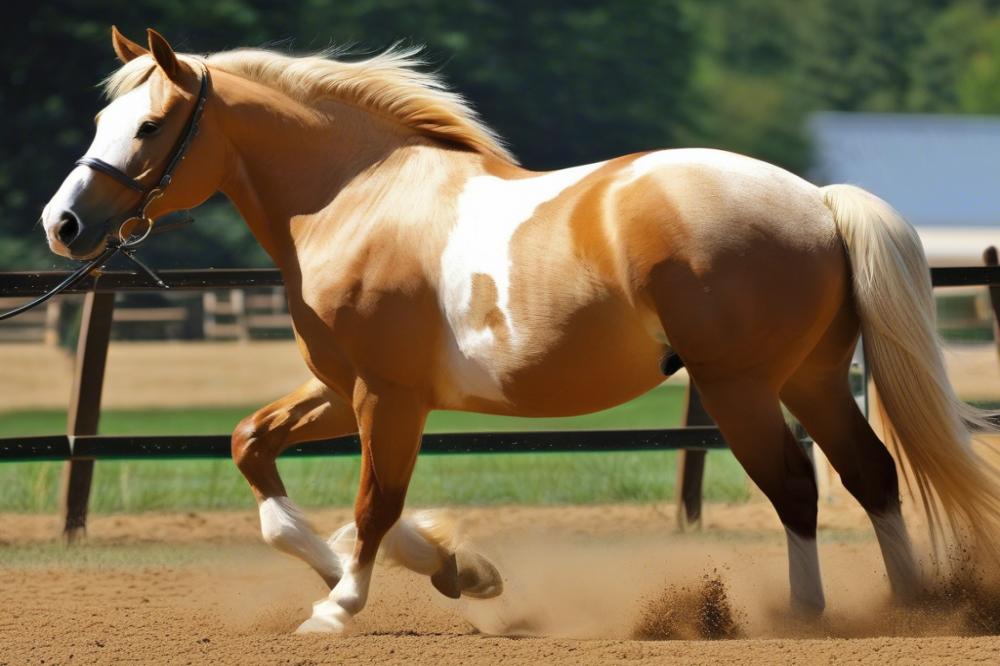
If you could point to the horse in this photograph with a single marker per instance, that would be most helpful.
(425, 269)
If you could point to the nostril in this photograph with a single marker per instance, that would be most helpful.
(68, 229)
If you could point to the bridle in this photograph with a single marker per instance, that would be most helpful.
(126, 236)
(138, 226)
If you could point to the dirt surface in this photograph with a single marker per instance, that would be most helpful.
(581, 584)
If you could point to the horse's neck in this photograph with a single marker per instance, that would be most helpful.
(292, 163)
(306, 185)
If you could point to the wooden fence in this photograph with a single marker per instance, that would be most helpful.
(81, 445)
(227, 314)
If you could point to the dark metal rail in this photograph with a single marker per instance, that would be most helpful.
(65, 447)
(36, 283)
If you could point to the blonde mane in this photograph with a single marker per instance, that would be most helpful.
(388, 84)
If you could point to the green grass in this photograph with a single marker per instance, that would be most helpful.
(544, 478)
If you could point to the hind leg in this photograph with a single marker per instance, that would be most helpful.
(749, 415)
(819, 396)
(423, 543)
(310, 412)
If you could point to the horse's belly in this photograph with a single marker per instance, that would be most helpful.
(600, 356)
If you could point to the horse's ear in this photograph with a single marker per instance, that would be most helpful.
(124, 47)
(163, 54)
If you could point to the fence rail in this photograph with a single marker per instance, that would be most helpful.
(34, 283)
(81, 446)
(103, 447)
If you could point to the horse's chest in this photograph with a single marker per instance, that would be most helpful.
(383, 332)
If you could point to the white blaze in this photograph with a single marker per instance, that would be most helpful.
(119, 121)
(113, 143)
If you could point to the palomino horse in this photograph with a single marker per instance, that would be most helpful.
(426, 270)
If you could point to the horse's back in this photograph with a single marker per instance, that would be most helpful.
(594, 265)
(748, 270)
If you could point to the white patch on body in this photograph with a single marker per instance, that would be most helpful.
(283, 526)
(803, 572)
(490, 211)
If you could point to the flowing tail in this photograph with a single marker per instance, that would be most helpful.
(923, 419)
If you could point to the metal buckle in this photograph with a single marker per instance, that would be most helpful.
(126, 232)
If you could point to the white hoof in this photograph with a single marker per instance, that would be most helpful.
(327, 618)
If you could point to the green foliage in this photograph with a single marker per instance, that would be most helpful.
(564, 82)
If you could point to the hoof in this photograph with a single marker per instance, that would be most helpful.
(445, 579)
(327, 618)
(477, 577)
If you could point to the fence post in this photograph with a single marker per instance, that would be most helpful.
(50, 334)
(85, 407)
(691, 466)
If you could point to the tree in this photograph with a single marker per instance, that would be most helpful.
(565, 84)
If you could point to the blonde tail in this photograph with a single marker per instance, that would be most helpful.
(924, 420)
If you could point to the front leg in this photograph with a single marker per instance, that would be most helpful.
(310, 412)
(390, 423)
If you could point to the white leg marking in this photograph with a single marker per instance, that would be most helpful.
(334, 614)
(283, 526)
(803, 573)
(904, 577)
(407, 544)
(404, 543)
(425, 543)
(342, 541)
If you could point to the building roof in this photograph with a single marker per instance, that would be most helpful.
(937, 170)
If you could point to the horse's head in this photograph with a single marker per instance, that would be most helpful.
(154, 102)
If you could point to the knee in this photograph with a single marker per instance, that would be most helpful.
(243, 440)
(252, 439)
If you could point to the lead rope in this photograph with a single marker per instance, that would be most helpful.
(71, 280)
(126, 247)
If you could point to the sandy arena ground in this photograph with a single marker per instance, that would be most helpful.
(581, 584)
(584, 585)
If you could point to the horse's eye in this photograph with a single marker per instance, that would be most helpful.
(148, 128)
